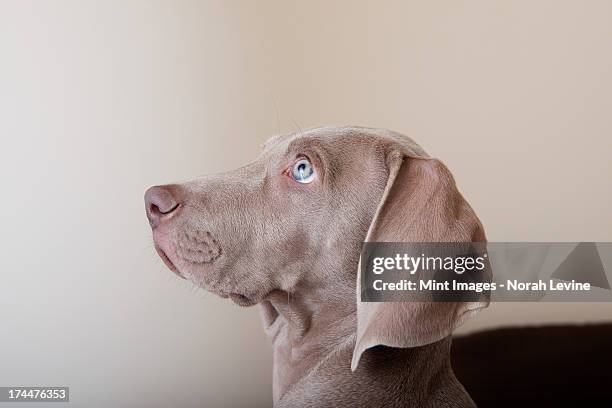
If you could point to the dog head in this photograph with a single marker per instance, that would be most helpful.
(295, 218)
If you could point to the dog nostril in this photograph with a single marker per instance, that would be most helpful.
(159, 203)
(156, 209)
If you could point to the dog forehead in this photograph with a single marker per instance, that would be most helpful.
(343, 137)
(326, 134)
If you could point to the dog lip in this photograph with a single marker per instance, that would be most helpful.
(167, 261)
(242, 300)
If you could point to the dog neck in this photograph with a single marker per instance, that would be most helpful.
(313, 340)
(304, 331)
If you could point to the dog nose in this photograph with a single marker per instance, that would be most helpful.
(160, 202)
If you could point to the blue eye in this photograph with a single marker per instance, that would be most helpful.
(302, 171)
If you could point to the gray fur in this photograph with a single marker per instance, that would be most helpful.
(258, 237)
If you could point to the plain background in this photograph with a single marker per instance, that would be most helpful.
(101, 99)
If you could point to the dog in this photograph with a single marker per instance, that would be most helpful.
(286, 231)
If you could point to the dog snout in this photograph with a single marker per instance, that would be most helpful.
(160, 203)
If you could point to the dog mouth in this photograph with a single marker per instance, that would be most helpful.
(168, 262)
(198, 250)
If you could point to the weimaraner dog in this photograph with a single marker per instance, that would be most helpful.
(285, 232)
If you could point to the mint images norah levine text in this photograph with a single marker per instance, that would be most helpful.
(452, 285)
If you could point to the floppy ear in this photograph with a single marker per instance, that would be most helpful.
(420, 204)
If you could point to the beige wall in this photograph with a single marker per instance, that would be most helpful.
(100, 99)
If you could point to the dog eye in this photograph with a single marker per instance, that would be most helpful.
(302, 171)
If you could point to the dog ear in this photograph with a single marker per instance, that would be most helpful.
(420, 204)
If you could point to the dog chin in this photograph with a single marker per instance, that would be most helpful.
(242, 300)
(206, 277)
